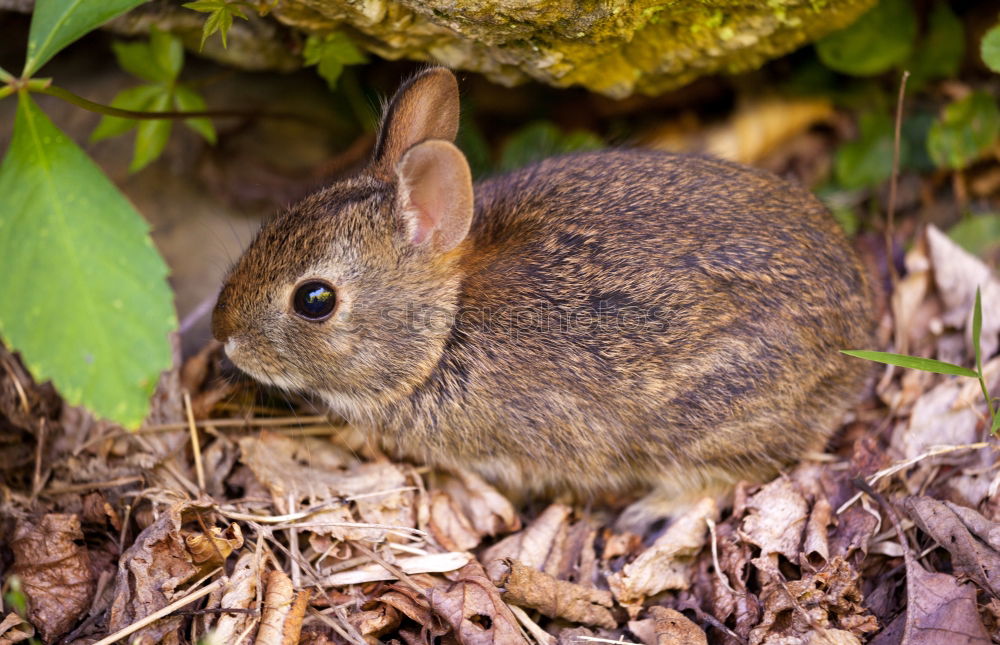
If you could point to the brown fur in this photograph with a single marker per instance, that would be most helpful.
(612, 321)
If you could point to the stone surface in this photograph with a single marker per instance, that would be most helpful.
(615, 47)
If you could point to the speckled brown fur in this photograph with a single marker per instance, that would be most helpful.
(613, 320)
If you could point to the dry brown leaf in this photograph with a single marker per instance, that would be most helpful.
(14, 629)
(449, 525)
(947, 414)
(527, 587)
(665, 564)
(377, 621)
(940, 610)
(957, 274)
(241, 593)
(415, 607)
(777, 521)
(969, 556)
(150, 572)
(54, 570)
(674, 628)
(281, 620)
(209, 553)
(826, 601)
(474, 609)
(313, 471)
(489, 512)
(532, 545)
(432, 563)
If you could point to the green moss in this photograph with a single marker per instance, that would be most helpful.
(616, 47)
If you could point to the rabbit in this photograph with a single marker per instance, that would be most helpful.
(599, 323)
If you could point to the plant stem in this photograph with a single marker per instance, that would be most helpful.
(79, 101)
(891, 207)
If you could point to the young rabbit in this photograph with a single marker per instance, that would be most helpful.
(597, 322)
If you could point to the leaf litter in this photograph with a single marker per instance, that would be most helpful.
(295, 529)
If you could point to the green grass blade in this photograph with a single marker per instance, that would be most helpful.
(5, 76)
(86, 300)
(977, 329)
(57, 23)
(913, 362)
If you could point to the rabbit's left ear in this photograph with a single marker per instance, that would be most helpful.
(435, 197)
(425, 107)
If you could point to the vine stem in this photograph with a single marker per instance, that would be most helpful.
(79, 101)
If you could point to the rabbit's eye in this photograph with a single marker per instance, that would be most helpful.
(314, 300)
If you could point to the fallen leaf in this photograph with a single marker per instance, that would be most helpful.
(241, 593)
(474, 609)
(281, 620)
(150, 572)
(489, 512)
(665, 564)
(532, 545)
(815, 607)
(211, 552)
(14, 629)
(969, 556)
(778, 519)
(313, 471)
(939, 609)
(433, 563)
(674, 628)
(527, 587)
(54, 570)
(957, 274)
(449, 525)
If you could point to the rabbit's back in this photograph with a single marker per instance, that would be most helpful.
(632, 316)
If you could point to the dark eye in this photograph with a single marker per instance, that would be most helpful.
(314, 300)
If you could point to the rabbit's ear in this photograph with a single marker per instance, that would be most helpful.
(425, 107)
(435, 195)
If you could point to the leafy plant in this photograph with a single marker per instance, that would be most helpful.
(977, 234)
(989, 48)
(967, 128)
(866, 161)
(543, 139)
(941, 49)
(91, 308)
(159, 62)
(941, 367)
(330, 53)
(878, 41)
(220, 16)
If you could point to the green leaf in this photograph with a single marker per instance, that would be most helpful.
(941, 50)
(187, 100)
(168, 52)
(966, 130)
(136, 58)
(543, 139)
(914, 362)
(879, 40)
(220, 17)
(977, 234)
(989, 48)
(95, 315)
(330, 53)
(151, 135)
(137, 99)
(867, 161)
(57, 23)
(5, 76)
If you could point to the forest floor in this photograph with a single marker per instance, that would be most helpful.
(236, 514)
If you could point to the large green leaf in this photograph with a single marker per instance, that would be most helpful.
(85, 299)
(967, 129)
(989, 48)
(877, 41)
(57, 23)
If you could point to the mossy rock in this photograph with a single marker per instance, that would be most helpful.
(615, 47)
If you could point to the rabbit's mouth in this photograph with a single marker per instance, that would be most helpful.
(253, 363)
